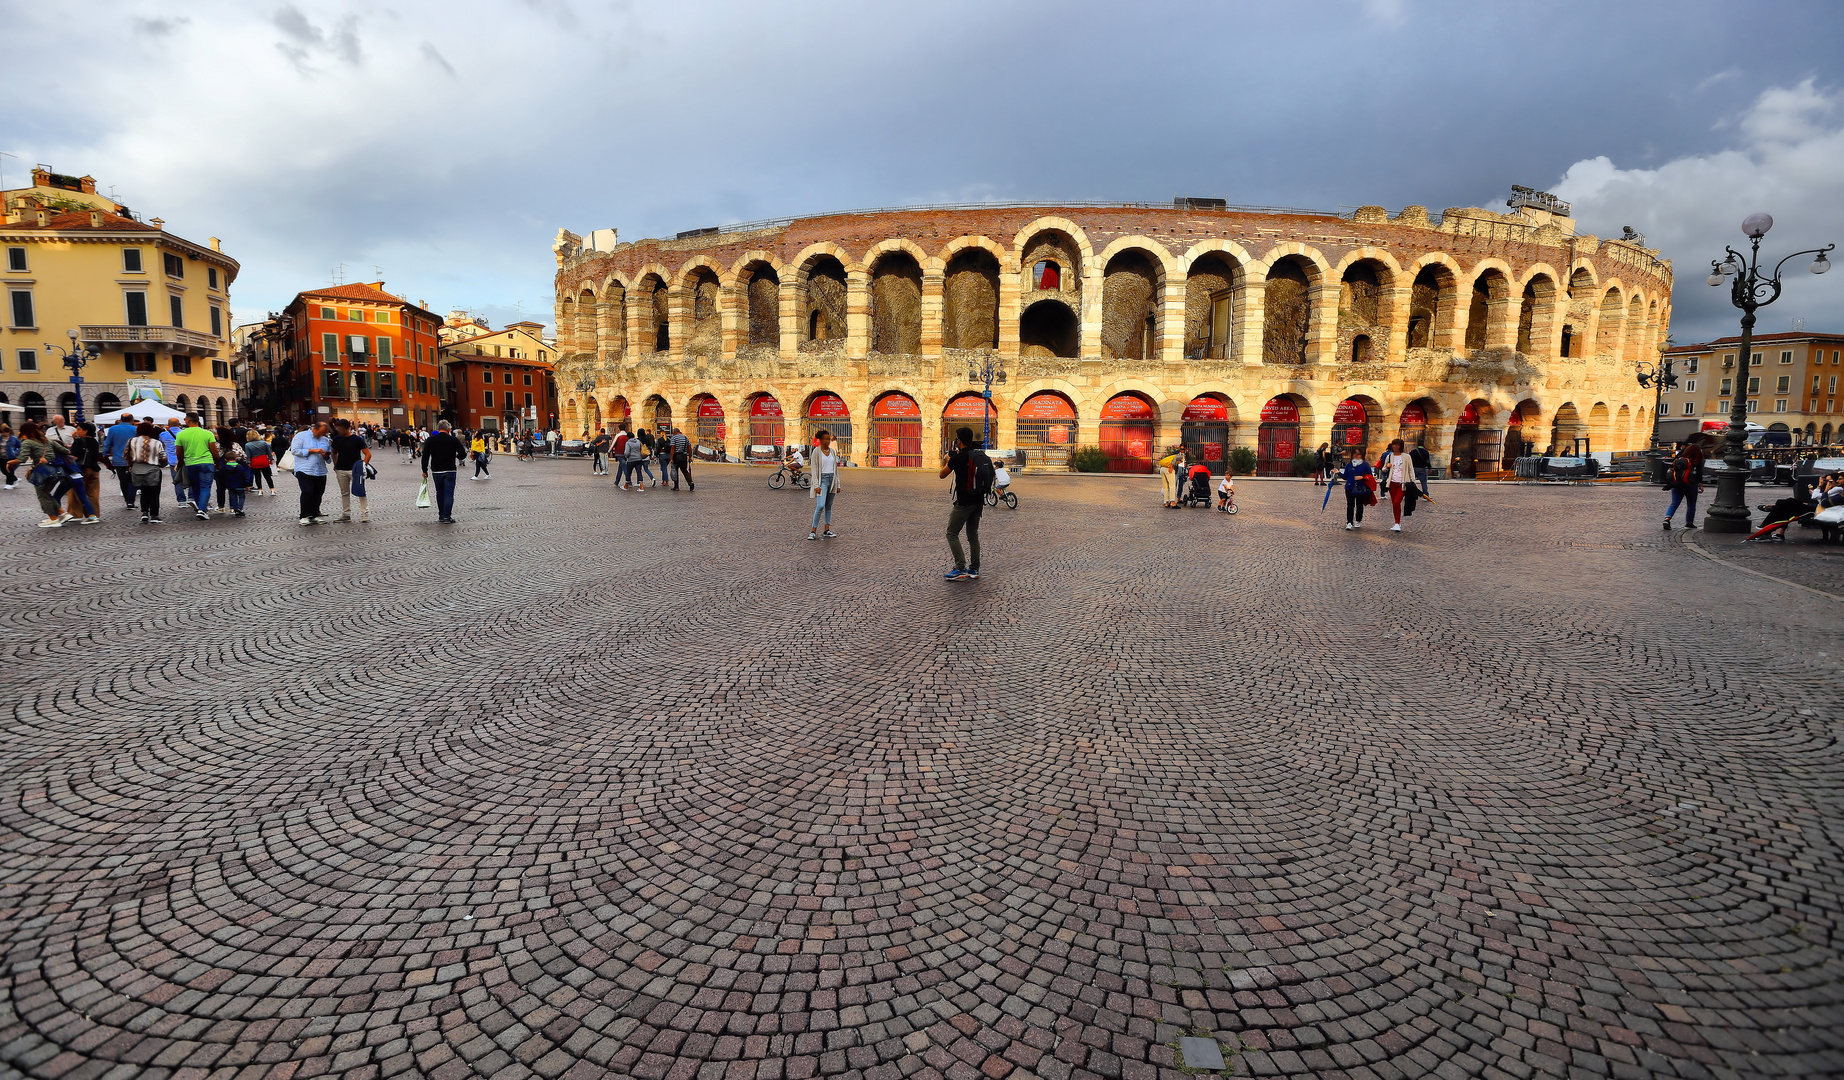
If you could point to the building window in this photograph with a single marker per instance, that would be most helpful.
(1754, 360)
(1815, 379)
(329, 348)
(384, 351)
(139, 362)
(22, 309)
(328, 313)
(422, 384)
(1690, 408)
(28, 359)
(387, 384)
(220, 369)
(384, 316)
(1722, 406)
(355, 316)
(1781, 385)
(1754, 385)
(15, 258)
(137, 308)
(488, 399)
(419, 352)
(211, 277)
(1690, 386)
(178, 311)
(182, 365)
(1831, 385)
(1753, 404)
(528, 378)
(1780, 405)
(131, 260)
(217, 322)
(362, 380)
(1728, 386)
(175, 266)
(1690, 365)
(496, 350)
(528, 401)
(1834, 356)
(330, 384)
(357, 345)
(1786, 357)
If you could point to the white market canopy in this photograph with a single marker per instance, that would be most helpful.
(145, 409)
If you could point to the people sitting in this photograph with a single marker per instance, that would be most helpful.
(1784, 512)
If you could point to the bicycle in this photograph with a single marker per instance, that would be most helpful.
(993, 498)
(780, 479)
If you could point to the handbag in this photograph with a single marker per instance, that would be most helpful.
(288, 461)
(260, 461)
(422, 494)
(371, 471)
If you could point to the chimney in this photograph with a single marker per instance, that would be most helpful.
(88, 184)
(156, 222)
(95, 219)
(41, 176)
(44, 216)
(215, 244)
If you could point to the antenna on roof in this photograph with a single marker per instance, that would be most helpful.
(379, 269)
(339, 274)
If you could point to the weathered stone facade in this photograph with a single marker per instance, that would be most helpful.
(1465, 324)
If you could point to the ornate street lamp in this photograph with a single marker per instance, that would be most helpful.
(74, 359)
(1657, 375)
(1753, 289)
(987, 371)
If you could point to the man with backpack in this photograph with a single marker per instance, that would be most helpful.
(681, 461)
(1681, 482)
(973, 475)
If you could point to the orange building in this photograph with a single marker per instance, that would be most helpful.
(366, 354)
(502, 381)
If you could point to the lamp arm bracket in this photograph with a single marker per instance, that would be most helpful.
(1812, 251)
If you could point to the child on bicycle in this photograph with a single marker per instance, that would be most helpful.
(1226, 492)
(1001, 477)
(795, 461)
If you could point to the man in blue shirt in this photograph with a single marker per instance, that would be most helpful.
(312, 450)
(169, 436)
(115, 452)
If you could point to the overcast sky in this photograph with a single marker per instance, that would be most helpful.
(446, 143)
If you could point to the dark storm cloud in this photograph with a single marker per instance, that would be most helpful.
(658, 118)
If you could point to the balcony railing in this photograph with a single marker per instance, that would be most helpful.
(171, 339)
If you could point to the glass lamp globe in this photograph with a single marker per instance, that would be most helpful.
(1715, 278)
(1755, 226)
(1820, 264)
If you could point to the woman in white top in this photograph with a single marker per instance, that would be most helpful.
(1401, 476)
(825, 463)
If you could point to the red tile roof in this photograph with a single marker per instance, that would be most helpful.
(1790, 335)
(80, 219)
(356, 292)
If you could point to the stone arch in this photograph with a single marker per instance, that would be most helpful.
(896, 299)
(611, 317)
(1599, 427)
(1584, 282)
(566, 323)
(1288, 309)
(821, 278)
(970, 298)
(1365, 285)
(1052, 247)
(654, 308)
(1132, 291)
(877, 251)
(1635, 325)
(1536, 315)
(1607, 338)
(1085, 250)
(1214, 279)
(1007, 265)
(1049, 327)
(1566, 425)
(760, 284)
(1434, 302)
(585, 332)
(1623, 429)
(1488, 307)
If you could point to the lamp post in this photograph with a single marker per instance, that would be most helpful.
(584, 384)
(1753, 289)
(987, 372)
(74, 359)
(1657, 375)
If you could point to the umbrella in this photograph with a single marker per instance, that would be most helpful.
(145, 409)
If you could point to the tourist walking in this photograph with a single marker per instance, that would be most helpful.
(681, 461)
(662, 456)
(598, 453)
(1681, 482)
(48, 469)
(85, 493)
(442, 456)
(967, 465)
(198, 452)
(1168, 476)
(350, 457)
(147, 464)
(636, 453)
(234, 473)
(170, 436)
(262, 463)
(825, 483)
(480, 452)
(1360, 488)
(9, 455)
(313, 452)
(1401, 482)
(1419, 456)
(115, 454)
(1327, 462)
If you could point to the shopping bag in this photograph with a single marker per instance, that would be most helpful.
(288, 461)
(422, 494)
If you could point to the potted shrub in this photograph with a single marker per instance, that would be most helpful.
(1090, 459)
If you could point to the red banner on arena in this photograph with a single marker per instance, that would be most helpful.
(710, 408)
(1350, 412)
(896, 405)
(1127, 407)
(828, 407)
(765, 408)
(1415, 414)
(1280, 411)
(1206, 409)
(1046, 406)
(1470, 414)
(966, 407)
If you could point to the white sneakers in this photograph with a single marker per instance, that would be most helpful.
(1396, 527)
(1349, 526)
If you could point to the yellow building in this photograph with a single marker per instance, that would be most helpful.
(155, 307)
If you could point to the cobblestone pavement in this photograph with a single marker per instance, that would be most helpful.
(647, 785)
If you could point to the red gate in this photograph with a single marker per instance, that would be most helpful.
(1279, 438)
(896, 432)
(1128, 428)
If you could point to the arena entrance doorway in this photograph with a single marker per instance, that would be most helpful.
(827, 412)
(767, 427)
(656, 414)
(896, 432)
(1412, 426)
(1046, 429)
(710, 414)
(967, 410)
(1129, 426)
(1476, 444)
(1278, 439)
(1205, 432)
(1351, 428)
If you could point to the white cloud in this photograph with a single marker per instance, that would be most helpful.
(1789, 162)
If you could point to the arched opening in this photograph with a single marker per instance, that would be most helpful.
(1607, 341)
(706, 335)
(1412, 425)
(1129, 433)
(970, 315)
(566, 325)
(1521, 430)
(709, 416)
(1824, 435)
(1047, 328)
(611, 336)
(182, 403)
(1046, 429)
(763, 290)
(1581, 284)
(1477, 441)
(1635, 328)
(1485, 327)
(586, 321)
(1567, 427)
(1205, 431)
(1052, 259)
(1286, 312)
(826, 411)
(823, 293)
(963, 410)
(1351, 427)
(594, 424)
(1278, 438)
(1569, 345)
(1431, 303)
(34, 405)
(224, 416)
(1210, 307)
(767, 428)
(896, 431)
(656, 414)
(107, 403)
(659, 313)
(1360, 309)
(1360, 349)
(1599, 431)
(1538, 300)
(896, 304)
(1130, 289)
(1046, 276)
(569, 413)
(618, 414)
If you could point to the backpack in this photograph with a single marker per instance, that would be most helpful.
(982, 473)
(1678, 473)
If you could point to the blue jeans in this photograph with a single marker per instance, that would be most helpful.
(198, 481)
(824, 502)
(638, 468)
(665, 471)
(236, 499)
(1689, 499)
(1421, 480)
(444, 493)
(179, 484)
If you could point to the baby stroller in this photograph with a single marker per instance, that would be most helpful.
(1197, 493)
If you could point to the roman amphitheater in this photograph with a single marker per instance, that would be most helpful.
(1128, 327)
